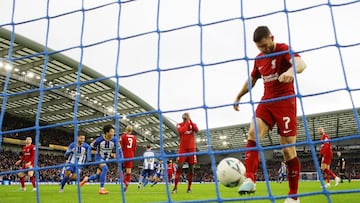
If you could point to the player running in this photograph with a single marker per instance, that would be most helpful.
(78, 152)
(326, 154)
(104, 146)
(148, 167)
(159, 173)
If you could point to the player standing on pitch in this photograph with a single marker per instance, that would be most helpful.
(28, 159)
(128, 147)
(148, 169)
(170, 171)
(186, 131)
(277, 70)
(326, 154)
(341, 167)
(282, 172)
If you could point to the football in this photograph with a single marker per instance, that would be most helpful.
(230, 172)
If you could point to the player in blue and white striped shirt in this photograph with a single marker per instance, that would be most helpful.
(104, 146)
(148, 167)
(77, 153)
(159, 173)
(282, 172)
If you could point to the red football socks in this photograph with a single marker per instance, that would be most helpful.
(293, 174)
(22, 181)
(33, 181)
(190, 177)
(177, 177)
(329, 173)
(251, 161)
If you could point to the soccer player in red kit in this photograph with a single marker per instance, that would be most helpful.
(186, 131)
(277, 71)
(326, 153)
(170, 170)
(28, 159)
(128, 147)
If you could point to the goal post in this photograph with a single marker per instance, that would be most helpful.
(309, 176)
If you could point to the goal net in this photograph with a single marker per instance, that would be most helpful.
(180, 56)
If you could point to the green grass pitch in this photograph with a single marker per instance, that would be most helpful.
(158, 193)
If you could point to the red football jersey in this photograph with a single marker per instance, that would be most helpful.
(186, 132)
(171, 168)
(29, 154)
(326, 146)
(128, 145)
(270, 68)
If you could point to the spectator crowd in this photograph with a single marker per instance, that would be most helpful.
(54, 160)
(52, 168)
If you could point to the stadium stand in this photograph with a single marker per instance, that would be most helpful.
(96, 97)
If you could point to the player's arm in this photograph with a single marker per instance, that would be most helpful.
(18, 162)
(320, 156)
(183, 128)
(114, 149)
(121, 142)
(21, 158)
(243, 91)
(94, 143)
(120, 148)
(288, 76)
(69, 150)
(194, 127)
(299, 64)
(88, 156)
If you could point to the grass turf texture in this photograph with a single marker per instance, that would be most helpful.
(200, 192)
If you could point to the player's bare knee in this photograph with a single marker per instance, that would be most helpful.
(251, 135)
(289, 153)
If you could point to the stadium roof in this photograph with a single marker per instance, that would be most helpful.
(96, 97)
(96, 93)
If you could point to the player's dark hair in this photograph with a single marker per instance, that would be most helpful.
(107, 128)
(260, 33)
(81, 133)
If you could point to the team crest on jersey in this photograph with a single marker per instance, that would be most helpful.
(273, 64)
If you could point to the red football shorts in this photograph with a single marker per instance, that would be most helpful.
(128, 164)
(190, 159)
(282, 112)
(24, 167)
(326, 159)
